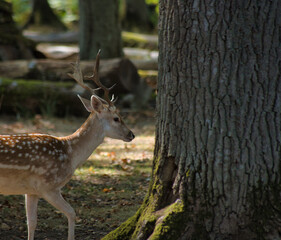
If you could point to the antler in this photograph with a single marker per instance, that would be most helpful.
(96, 80)
(78, 77)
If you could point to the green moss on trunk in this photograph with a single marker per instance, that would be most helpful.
(169, 222)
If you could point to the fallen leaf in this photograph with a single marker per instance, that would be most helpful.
(107, 190)
(126, 160)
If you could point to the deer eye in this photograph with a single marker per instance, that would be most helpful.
(116, 119)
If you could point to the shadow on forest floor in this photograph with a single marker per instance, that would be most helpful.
(104, 192)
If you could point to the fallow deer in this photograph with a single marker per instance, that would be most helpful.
(39, 165)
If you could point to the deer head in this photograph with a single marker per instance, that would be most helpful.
(103, 109)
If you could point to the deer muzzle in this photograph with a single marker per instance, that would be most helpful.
(130, 136)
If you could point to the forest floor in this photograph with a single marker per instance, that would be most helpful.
(105, 191)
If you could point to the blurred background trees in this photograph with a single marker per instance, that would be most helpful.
(43, 15)
(100, 28)
(13, 45)
(100, 22)
(135, 15)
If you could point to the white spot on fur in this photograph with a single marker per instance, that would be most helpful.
(40, 170)
(61, 157)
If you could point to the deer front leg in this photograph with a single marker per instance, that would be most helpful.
(55, 198)
(31, 202)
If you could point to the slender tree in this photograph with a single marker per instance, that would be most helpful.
(99, 29)
(216, 169)
(43, 14)
(13, 45)
(137, 16)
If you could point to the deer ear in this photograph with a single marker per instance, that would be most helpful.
(96, 104)
(86, 103)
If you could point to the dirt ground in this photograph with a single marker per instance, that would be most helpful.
(104, 192)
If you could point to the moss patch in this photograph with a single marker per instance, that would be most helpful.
(138, 40)
(28, 97)
(169, 225)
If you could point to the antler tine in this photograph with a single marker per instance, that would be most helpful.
(78, 76)
(95, 78)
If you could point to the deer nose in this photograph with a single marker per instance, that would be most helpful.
(130, 136)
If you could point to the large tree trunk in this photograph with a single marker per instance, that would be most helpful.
(216, 171)
(99, 29)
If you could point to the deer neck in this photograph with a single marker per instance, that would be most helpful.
(85, 140)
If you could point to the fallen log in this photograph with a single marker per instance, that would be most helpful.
(54, 91)
(121, 72)
(26, 98)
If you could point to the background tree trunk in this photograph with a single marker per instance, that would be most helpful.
(136, 17)
(99, 29)
(216, 171)
(42, 14)
(13, 45)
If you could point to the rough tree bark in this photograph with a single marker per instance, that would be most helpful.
(216, 170)
(99, 29)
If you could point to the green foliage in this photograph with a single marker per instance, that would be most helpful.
(153, 13)
(67, 10)
(21, 10)
(156, 2)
